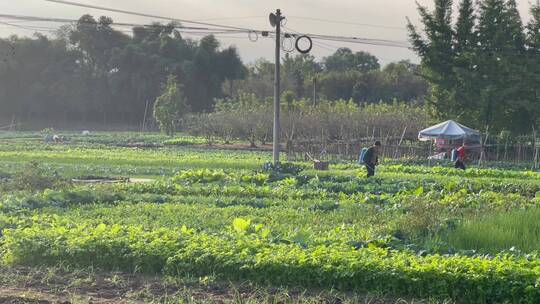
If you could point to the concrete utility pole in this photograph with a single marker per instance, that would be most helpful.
(275, 20)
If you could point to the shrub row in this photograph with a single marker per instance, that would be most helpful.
(251, 256)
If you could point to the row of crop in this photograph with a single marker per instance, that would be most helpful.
(288, 220)
(208, 176)
(170, 160)
(319, 195)
(394, 183)
(354, 219)
(248, 256)
(471, 172)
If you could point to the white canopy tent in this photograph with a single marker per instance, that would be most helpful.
(449, 130)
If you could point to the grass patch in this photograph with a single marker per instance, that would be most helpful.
(494, 233)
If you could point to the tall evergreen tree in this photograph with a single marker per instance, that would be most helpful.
(465, 44)
(533, 60)
(438, 55)
(483, 76)
(533, 30)
(465, 28)
(501, 66)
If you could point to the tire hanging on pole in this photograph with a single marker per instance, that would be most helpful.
(306, 50)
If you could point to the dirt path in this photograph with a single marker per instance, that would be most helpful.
(28, 296)
(51, 285)
(27, 285)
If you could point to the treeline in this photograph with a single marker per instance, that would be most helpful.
(91, 72)
(481, 67)
(348, 75)
(484, 67)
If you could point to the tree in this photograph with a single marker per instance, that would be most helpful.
(298, 69)
(231, 67)
(345, 60)
(39, 79)
(437, 54)
(288, 97)
(154, 53)
(96, 40)
(479, 70)
(501, 67)
(533, 63)
(339, 85)
(466, 74)
(170, 106)
(533, 31)
(91, 74)
(259, 79)
(207, 70)
(402, 82)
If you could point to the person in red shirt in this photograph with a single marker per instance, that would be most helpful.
(460, 161)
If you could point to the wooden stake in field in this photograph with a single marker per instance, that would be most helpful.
(482, 153)
(506, 148)
(400, 141)
(535, 147)
(144, 117)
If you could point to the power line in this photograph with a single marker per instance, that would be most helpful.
(61, 20)
(215, 28)
(331, 47)
(326, 46)
(317, 43)
(350, 23)
(392, 43)
(17, 21)
(362, 40)
(321, 37)
(230, 18)
(144, 15)
(358, 40)
(195, 31)
(30, 28)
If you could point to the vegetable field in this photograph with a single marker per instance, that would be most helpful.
(413, 232)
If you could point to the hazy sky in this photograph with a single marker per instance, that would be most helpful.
(390, 15)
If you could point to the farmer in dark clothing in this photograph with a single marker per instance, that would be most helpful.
(460, 161)
(372, 158)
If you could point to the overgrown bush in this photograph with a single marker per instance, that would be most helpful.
(170, 106)
(33, 177)
(243, 255)
(251, 119)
